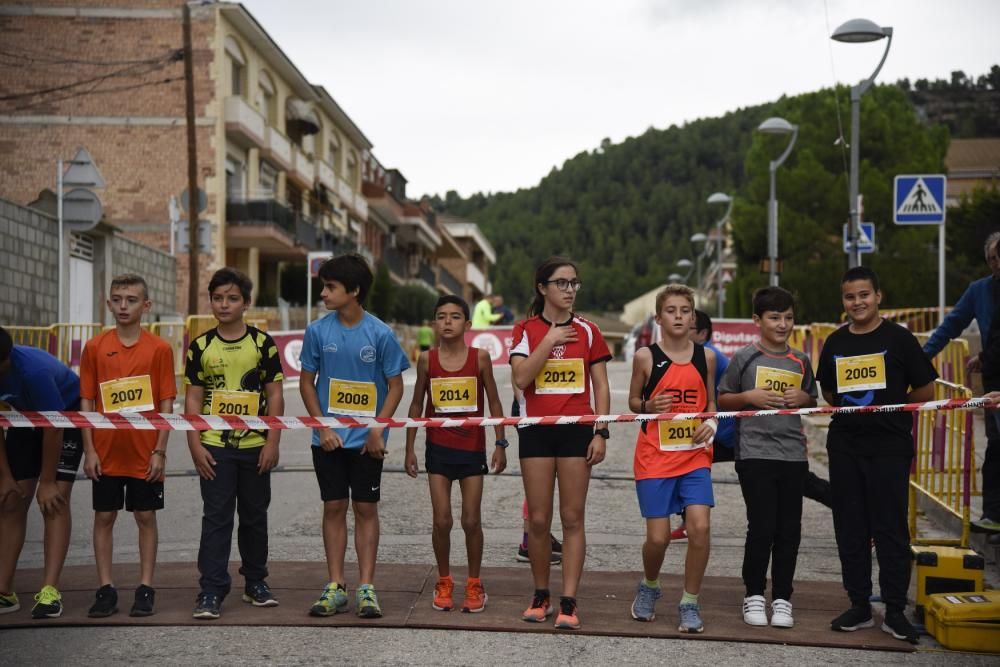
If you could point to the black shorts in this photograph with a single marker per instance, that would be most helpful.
(454, 464)
(559, 441)
(24, 452)
(346, 473)
(135, 495)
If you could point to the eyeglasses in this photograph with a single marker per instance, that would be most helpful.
(565, 285)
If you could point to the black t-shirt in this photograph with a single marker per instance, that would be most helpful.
(875, 368)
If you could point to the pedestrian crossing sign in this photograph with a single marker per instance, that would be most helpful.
(919, 199)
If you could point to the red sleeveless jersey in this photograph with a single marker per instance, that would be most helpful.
(664, 449)
(455, 394)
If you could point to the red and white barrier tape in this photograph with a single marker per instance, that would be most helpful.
(152, 421)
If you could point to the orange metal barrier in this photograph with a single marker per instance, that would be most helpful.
(943, 468)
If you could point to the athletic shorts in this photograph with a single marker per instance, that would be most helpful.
(454, 464)
(559, 441)
(112, 493)
(346, 473)
(24, 452)
(662, 496)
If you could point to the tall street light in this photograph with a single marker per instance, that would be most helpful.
(686, 264)
(720, 198)
(852, 32)
(775, 126)
(698, 238)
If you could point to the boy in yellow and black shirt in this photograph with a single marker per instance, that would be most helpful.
(233, 369)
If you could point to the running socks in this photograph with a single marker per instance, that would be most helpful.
(653, 583)
(688, 598)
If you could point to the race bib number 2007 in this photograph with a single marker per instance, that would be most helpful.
(131, 394)
(861, 373)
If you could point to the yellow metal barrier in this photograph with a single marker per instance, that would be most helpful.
(950, 361)
(69, 339)
(944, 463)
(173, 334)
(39, 337)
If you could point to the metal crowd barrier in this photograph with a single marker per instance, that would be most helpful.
(917, 320)
(944, 469)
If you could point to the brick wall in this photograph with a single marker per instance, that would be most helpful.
(137, 137)
(29, 280)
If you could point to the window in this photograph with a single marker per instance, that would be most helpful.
(267, 98)
(237, 67)
(333, 153)
(352, 169)
(234, 179)
(268, 181)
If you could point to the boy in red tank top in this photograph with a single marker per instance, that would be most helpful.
(452, 379)
(673, 459)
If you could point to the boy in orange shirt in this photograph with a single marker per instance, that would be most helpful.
(126, 369)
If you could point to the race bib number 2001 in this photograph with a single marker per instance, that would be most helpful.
(240, 403)
(861, 373)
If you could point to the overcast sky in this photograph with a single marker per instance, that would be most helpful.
(489, 95)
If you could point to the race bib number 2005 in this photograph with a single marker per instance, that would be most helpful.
(861, 373)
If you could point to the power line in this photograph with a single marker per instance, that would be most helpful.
(132, 71)
(836, 99)
(93, 91)
(30, 56)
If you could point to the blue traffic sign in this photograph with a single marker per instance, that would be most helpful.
(919, 199)
(866, 239)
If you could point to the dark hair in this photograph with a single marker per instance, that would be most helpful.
(456, 300)
(861, 273)
(703, 322)
(351, 271)
(6, 345)
(130, 280)
(231, 276)
(774, 299)
(542, 275)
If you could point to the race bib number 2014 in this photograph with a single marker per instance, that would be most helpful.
(454, 394)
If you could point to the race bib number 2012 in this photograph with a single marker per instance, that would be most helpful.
(560, 376)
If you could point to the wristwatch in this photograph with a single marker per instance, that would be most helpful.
(502, 442)
(603, 432)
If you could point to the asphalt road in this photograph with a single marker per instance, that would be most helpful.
(614, 535)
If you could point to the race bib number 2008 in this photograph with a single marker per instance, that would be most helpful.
(353, 399)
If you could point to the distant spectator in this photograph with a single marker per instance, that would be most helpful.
(425, 336)
(505, 312)
(483, 316)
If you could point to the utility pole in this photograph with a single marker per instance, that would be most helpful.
(192, 155)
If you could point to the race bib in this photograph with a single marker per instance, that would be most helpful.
(560, 376)
(861, 373)
(678, 435)
(131, 394)
(777, 379)
(241, 403)
(454, 394)
(353, 399)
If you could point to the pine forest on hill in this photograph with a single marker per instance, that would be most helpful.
(625, 212)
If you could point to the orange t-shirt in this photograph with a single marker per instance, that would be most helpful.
(686, 385)
(126, 453)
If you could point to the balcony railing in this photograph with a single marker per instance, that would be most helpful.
(426, 273)
(279, 148)
(453, 284)
(326, 175)
(395, 260)
(475, 277)
(306, 233)
(261, 212)
(244, 119)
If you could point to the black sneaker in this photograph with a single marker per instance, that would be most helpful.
(897, 625)
(208, 606)
(855, 618)
(554, 558)
(106, 602)
(556, 545)
(259, 595)
(144, 598)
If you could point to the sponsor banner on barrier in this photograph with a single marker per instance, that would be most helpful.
(289, 345)
(495, 340)
(730, 336)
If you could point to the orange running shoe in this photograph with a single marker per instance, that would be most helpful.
(540, 609)
(475, 597)
(567, 618)
(442, 594)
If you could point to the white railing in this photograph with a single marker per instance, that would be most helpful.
(326, 175)
(345, 192)
(238, 111)
(280, 147)
(475, 277)
(302, 166)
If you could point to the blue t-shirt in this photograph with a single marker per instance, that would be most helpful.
(727, 427)
(366, 352)
(38, 381)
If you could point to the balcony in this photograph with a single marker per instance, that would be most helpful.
(345, 192)
(278, 149)
(268, 225)
(395, 261)
(449, 282)
(243, 124)
(303, 169)
(426, 273)
(326, 175)
(360, 206)
(475, 277)
(306, 233)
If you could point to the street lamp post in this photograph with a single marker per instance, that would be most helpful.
(686, 264)
(695, 239)
(775, 126)
(852, 32)
(720, 198)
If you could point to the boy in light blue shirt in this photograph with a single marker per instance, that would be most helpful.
(352, 366)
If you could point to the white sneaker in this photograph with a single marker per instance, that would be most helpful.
(754, 610)
(781, 614)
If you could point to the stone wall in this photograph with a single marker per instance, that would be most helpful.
(29, 279)
(157, 267)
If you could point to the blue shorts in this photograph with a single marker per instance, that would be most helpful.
(662, 496)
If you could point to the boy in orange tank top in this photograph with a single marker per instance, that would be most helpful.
(673, 459)
(126, 369)
(454, 379)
